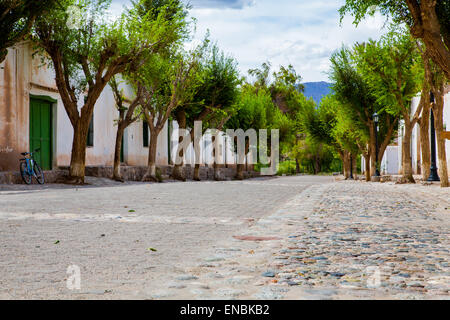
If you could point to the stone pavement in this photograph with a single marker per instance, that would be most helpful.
(281, 238)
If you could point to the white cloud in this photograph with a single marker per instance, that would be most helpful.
(303, 33)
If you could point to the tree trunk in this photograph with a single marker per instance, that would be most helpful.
(216, 172)
(197, 172)
(78, 157)
(439, 125)
(407, 159)
(117, 149)
(240, 167)
(355, 166)
(317, 165)
(215, 165)
(367, 167)
(425, 142)
(150, 176)
(346, 164)
(427, 27)
(197, 156)
(373, 152)
(177, 172)
(297, 166)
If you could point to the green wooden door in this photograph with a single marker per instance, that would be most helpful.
(41, 131)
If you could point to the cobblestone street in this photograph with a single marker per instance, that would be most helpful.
(274, 238)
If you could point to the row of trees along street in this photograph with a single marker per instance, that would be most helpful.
(145, 49)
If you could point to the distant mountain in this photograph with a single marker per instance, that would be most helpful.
(317, 90)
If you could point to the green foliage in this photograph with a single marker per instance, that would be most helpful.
(168, 79)
(317, 123)
(397, 10)
(393, 68)
(287, 167)
(92, 46)
(314, 157)
(218, 88)
(353, 102)
(262, 76)
(253, 109)
(17, 18)
(360, 9)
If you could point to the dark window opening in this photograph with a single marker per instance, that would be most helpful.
(90, 136)
(145, 134)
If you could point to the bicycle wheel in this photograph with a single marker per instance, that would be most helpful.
(26, 177)
(38, 174)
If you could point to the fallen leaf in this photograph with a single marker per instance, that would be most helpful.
(56, 242)
(152, 249)
(131, 210)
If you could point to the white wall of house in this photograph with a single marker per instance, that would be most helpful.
(389, 164)
(22, 75)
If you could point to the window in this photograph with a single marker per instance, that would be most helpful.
(145, 133)
(90, 136)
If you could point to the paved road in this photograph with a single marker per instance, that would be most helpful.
(109, 233)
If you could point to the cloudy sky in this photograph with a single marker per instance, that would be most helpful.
(303, 33)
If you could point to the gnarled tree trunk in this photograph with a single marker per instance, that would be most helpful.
(425, 142)
(152, 148)
(346, 164)
(78, 157)
(367, 166)
(177, 172)
(241, 167)
(439, 125)
(118, 147)
(407, 158)
(197, 172)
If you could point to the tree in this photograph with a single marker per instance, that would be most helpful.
(127, 115)
(428, 20)
(439, 88)
(286, 90)
(173, 10)
(313, 155)
(424, 119)
(253, 108)
(214, 100)
(86, 58)
(394, 70)
(16, 20)
(357, 104)
(261, 75)
(318, 124)
(167, 82)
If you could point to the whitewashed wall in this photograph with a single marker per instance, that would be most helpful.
(24, 75)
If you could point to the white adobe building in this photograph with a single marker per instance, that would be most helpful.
(32, 115)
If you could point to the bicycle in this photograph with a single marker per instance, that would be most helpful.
(29, 168)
